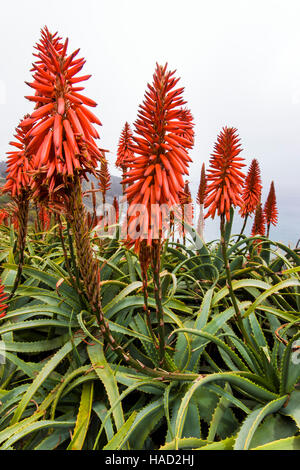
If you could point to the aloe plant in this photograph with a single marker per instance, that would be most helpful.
(60, 389)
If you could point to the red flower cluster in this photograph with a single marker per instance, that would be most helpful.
(117, 209)
(125, 151)
(4, 216)
(202, 187)
(104, 177)
(19, 163)
(3, 298)
(270, 208)
(259, 222)
(226, 179)
(252, 189)
(186, 203)
(155, 176)
(62, 132)
(44, 218)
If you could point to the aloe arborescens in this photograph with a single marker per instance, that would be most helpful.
(251, 192)
(155, 175)
(65, 150)
(18, 186)
(224, 189)
(270, 209)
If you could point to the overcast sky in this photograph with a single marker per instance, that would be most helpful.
(239, 61)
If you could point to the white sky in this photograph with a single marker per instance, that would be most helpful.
(239, 61)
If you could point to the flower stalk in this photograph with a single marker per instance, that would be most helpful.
(238, 314)
(125, 151)
(270, 209)
(155, 261)
(22, 217)
(144, 258)
(200, 200)
(251, 193)
(243, 227)
(18, 186)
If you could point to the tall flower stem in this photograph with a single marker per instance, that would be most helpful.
(38, 222)
(123, 184)
(243, 228)
(72, 254)
(144, 256)
(200, 228)
(62, 241)
(172, 226)
(155, 260)
(22, 214)
(182, 223)
(229, 281)
(74, 279)
(94, 217)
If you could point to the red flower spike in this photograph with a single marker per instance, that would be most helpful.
(259, 222)
(155, 175)
(185, 198)
(62, 126)
(104, 177)
(202, 187)
(3, 298)
(201, 197)
(226, 179)
(125, 151)
(270, 208)
(19, 163)
(11, 213)
(117, 209)
(252, 189)
(4, 216)
(15, 221)
(44, 217)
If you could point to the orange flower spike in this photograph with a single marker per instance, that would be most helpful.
(270, 208)
(4, 216)
(224, 175)
(62, 126)
(116, 208)
(3, 298)
(202, 187)
(125, 151)
(160, 147)
(19, 164)
(201, 197)
(19, 186)
(258, 227)
(104, 177)
(187, 209)
(44, 217)
(252, 189)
